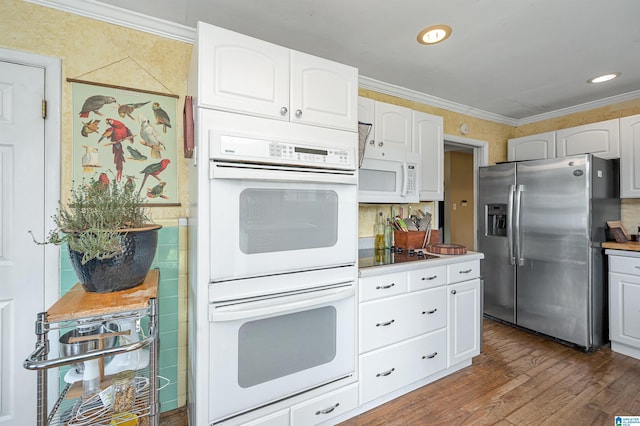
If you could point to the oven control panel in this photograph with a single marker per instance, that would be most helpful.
(282, 152)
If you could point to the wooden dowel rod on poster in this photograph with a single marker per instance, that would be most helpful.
(112, 86)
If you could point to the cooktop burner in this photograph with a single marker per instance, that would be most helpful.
(371, 257)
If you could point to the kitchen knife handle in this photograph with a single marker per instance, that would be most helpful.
(512, 258)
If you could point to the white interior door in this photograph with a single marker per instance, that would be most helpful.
(22, 209)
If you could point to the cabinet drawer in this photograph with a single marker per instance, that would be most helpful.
(391, 368)
(279, 418)
(391, 320)
(624, 265)
(463, 271)
(427, 278)
(383, 285)
(327, 406)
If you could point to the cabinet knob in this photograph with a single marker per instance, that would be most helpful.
(298, 113)
(284, 111)
(372, 142)
(380, 143)
(453, 292)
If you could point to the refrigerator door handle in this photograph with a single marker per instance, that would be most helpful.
(519, 191)
(512, 258)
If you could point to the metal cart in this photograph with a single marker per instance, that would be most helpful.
(80, 307)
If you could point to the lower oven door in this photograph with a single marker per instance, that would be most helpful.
(268, 221)
(268, 349)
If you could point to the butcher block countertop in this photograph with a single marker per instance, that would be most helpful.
(629, 245)
(77, 303)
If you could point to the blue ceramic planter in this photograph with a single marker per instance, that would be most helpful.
(124, 271)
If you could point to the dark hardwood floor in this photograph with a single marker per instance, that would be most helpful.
(519, 379)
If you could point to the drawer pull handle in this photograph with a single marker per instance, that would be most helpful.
(327, 410)
(385, 373)
(433, 355)
(433, 311)
(466, 271)
(384, 324)
(637, 267)
(432, 277)
(384, 287)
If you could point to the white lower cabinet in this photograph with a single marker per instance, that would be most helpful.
(325, 407)
(624, 304)
(279, 418)
(464, 320)
(391, 320)
(428, 321)
(393, 367)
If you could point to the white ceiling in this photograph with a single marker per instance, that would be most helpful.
(517, 59)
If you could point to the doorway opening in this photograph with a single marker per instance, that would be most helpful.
(457, 213)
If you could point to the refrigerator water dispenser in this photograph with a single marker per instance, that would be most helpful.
(496, 220)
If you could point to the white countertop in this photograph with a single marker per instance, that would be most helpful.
(419, 264)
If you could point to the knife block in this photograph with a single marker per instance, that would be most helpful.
(414, 239)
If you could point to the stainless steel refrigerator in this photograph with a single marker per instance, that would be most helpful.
(541, 223)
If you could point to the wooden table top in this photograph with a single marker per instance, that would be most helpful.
(78, 303)
(629, 245)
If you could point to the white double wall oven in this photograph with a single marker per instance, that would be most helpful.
(282, 259)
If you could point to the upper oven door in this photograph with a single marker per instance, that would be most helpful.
(266, 220)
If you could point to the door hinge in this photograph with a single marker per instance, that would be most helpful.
(44, 109)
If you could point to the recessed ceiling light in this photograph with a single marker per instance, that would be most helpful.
(434, 34)
(603, 78)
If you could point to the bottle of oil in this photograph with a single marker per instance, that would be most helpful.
(388, 234)
(378, 232)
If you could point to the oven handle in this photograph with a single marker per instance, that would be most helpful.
(245, 171)
(271, 306)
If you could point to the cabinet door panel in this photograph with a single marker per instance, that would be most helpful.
(389, 369)
(325, 407)
(323, 92)
(390, 320)
(242, 74)
(624, 326)
(601, 139)
(421, 279)
(630, 157)
(532, 147)
(393, 127)
(428, 142)
(464, 321)
(384, 285)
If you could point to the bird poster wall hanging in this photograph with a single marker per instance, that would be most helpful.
(128, 135)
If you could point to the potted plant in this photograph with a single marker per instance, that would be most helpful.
(110, 238)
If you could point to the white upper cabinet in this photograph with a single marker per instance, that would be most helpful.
(390, 130)
(393, 127)
(601, 139)
(323, 92)
(532, 147)
(428, 141)
(242, 74)
(630, 157)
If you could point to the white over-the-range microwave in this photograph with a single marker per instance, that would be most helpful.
(392, 178)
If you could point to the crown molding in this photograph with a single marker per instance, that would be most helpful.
(117, 16)
(412, 95)
(581, 107)
(125, 18)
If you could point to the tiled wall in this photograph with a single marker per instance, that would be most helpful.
(171, 260)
